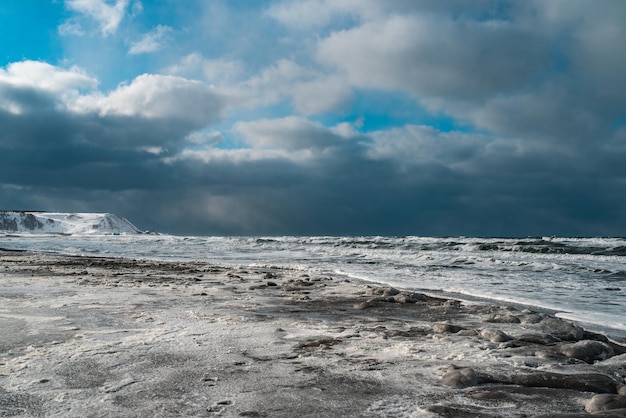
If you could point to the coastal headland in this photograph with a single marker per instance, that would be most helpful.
(109, 337)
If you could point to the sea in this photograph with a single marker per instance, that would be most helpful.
(581, 279)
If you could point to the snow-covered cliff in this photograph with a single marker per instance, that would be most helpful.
(65, 223)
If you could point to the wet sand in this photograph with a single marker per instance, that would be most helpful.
(100, 337)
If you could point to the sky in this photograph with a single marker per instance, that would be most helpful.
(318, 117)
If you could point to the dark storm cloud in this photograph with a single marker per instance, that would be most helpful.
(464, 184)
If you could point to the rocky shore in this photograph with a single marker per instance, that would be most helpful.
(104, 337)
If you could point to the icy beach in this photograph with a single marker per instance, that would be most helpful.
(91, 336)
(582, 279)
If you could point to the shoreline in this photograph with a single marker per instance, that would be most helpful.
(617, 334)
(595, 302)
(130, 337)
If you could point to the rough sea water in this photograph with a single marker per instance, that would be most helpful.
(583, 279)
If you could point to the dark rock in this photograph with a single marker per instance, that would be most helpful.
(446, 329)
(458, 411)
(409, 297)
(617, 348)
(562, 329)
(588, 351)
(501, 319)
(529, 317)
(584, 382)
(551, 354)
(540, 339)
(410, 333)
(589, 335)
(321, 342)
(452, 303)
(605, 402)
(460, 378)
(510, 393)
(495, 335)
(382, 291)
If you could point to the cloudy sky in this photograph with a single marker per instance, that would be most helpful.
(318, 117)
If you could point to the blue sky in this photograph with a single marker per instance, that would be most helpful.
(420, 117)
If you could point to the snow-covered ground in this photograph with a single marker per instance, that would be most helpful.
(65, 223)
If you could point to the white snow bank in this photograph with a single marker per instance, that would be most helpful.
(65, 223)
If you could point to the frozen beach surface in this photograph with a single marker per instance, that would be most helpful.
(108, 337)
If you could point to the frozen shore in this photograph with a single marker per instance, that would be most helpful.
(110, 337)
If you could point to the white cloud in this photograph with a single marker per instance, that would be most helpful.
(323, 94)
(189, 64)
(535, 69)
(552, 113)
(222, 70)
(189, 103)
(43, 76)
(418, 145)
(271, 85)
(151, 41)
(313, 14)
(303, 14)
(205, 138)
(218, 71)
(109, 16)
(289, 133)
(71, 28)
(242, 156)
(136, 9)
(592, 36)
(435, 57)
(282, 72)
(158, 96)
(310, 91)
